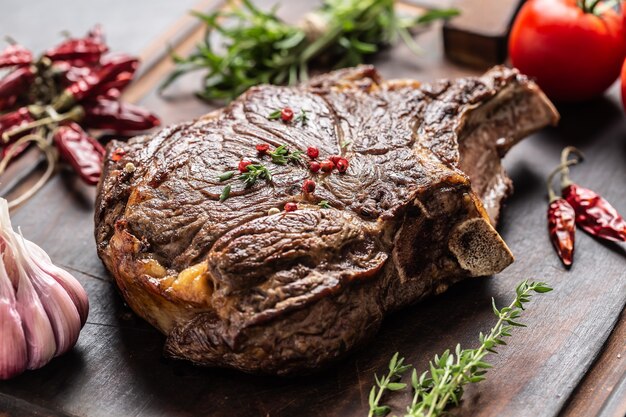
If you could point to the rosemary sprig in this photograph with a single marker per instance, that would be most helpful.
(258, 47)
(282, 155)
(387, 383)
(442, 385)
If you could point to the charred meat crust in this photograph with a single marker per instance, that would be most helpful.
(232, 286)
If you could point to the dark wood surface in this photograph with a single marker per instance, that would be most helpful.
(547, 369)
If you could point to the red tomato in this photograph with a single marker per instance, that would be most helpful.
(624, 85)
(573, 55)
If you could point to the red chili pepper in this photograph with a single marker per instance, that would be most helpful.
(14, 119)
(594, 214)
(81, 151)
(315, 166)
(308, 186)
(80, 51)
(342, 165)
(119, 117)
(312, 152)
(17, 152)
(16, 82)
(116, 73)
(243, 165)
(15, 55)
(327, 166)
(291, 207)
(562, 229)
(7, 102)
(262, 148)
(286, 114)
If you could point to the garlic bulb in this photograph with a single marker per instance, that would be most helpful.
(42, 307)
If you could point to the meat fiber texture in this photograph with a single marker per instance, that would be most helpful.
(231, 285)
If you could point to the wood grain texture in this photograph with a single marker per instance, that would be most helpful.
(117, 368)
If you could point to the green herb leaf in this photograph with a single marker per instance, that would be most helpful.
(254, 173)
(274, 115)
(442, 385)
(226, 175)
(255, 46)
(324, 204)
(302, 117)
(225, 193)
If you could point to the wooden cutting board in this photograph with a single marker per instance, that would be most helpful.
(117, 368)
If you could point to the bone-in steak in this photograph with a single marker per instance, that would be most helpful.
(232, 285)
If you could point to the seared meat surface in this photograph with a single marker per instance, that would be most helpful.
(231, 285)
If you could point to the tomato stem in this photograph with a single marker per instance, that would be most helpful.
(590, 6)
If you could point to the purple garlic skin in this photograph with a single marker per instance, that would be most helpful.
(42, 307)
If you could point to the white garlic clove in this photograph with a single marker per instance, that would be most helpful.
(13, 352)
(35, 322)
(65, 279)
(60, 308)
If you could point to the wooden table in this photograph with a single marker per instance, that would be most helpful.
(570, 361)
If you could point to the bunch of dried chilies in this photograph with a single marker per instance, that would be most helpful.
(578, 206)
(51, 102)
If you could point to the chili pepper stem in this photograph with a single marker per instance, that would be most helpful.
(552, 196)
(75, 114)
(46, 148)
(565, 164)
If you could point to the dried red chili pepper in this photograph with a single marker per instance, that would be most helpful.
(15, 55)
(7, 102)
(16, 82)
(594, 214)
(119, 117)
(81, 151)
(99, 81)
(561, 220)
(80, 51)
(14, 119)
(562, 229)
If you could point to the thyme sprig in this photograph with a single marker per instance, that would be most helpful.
(387, 383)
(254, 173)
(258, 47)
(281, 155)
(442, 385)
(302, 117)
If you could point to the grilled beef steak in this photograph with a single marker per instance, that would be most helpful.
(232, 285)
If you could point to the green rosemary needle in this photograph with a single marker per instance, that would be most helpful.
(258, 47)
